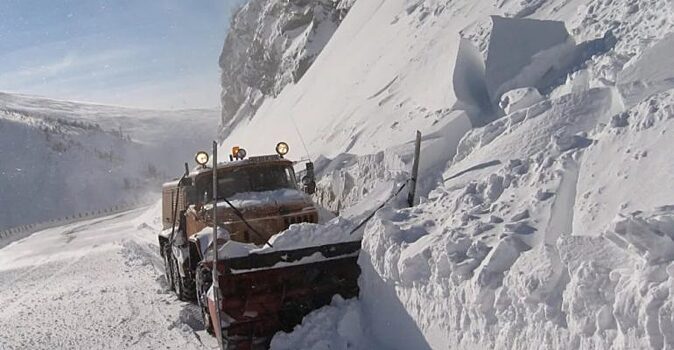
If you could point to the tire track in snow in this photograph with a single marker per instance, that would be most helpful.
(35, 289)
(90, 298)
(189, 315)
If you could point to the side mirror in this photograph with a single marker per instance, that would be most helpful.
(309, 180)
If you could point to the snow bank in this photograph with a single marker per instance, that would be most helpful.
(535, 53)
(513, 244)
(629, 166)
(339, 326)
(457, 288)
(347, 179)
(490, 259)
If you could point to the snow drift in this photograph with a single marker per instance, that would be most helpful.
(544, 217)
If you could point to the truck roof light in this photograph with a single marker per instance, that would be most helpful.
(238, 153)
(282, 148)
(241, 154)
(201, 158)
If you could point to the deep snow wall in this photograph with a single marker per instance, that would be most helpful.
(547, 225)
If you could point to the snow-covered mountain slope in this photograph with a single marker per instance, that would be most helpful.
(546, 201)
(395, 66)
(60, 158)
(545, 217)
(269, 45)
(95, 284)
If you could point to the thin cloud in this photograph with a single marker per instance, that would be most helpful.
(146, 54)
(71, 67)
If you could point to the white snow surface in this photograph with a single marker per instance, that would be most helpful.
(339, 326)
(549, 225)
(544, 222)
(95, 284)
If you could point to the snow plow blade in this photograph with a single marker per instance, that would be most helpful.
(262, 294)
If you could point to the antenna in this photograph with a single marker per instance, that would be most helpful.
(216, 278)
(301, 138)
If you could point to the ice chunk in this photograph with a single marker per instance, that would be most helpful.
(649, 235)
(535, 275)
(469, 80)
(512, 47)
(517, 99)
(498, 261)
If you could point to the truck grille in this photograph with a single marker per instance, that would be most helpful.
(289, 220)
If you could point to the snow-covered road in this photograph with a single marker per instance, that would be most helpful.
(95, 284)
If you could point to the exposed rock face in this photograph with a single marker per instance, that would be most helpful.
(269, 45)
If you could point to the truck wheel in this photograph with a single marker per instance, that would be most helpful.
(184, 289)
(207, 321)
(168, 270)
(202, 287)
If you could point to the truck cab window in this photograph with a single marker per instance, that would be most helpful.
(253, 179)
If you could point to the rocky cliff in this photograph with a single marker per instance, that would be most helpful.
(271, 44)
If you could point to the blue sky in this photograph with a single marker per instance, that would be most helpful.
(152, 54)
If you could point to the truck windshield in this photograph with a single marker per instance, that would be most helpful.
(257, 179)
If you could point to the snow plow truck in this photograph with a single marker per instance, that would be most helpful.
(258, 293)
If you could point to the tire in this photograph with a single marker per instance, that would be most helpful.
(202, 287)
(184, 287)
(168, 269)
(208, 324)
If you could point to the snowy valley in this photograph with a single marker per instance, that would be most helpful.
(545, 209)
(88, 157)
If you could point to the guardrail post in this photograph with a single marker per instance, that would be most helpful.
(415, 170)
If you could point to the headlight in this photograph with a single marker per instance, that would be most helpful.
(306, 180)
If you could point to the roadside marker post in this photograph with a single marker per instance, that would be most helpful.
(415, 170)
